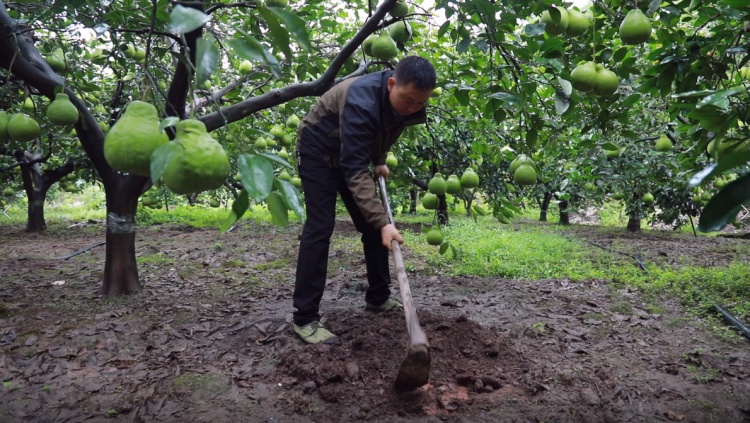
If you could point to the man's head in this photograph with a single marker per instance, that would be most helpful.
(411, 85)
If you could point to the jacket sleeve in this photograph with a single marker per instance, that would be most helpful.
(358, 123)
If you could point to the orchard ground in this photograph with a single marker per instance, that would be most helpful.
(210, 337)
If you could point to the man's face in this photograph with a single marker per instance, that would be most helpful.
(405, 99)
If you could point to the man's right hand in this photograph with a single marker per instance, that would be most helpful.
(389, 233)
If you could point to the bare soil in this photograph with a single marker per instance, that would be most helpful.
(210, 337)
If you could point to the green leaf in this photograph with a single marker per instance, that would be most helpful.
(295, 25)
(631, 100)
(168, 121)
(161, 157)
(257, 175)
(511, 100)
(690, 94)
(725, 163)
(444, 247)
(724, 206)
(186, 19)
(562, 102)
(533, 30)
(277, 208)
(719, 99)
(279, 36)
(566, 86)
(239, 207)
(207, 58)
(251, 49)
(610, 146)
(737, 4)
(278, 160)
(292, 197)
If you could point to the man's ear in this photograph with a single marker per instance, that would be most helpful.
(391, 83)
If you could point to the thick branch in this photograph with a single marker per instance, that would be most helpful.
(246, 108)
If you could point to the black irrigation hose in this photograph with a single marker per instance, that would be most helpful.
(729, 317)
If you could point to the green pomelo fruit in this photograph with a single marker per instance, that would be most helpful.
(552, 27)
(246, 67)
(589, 187)
(706, 196)
(391, 160)
(454, 185)
(8, 192)
(635, 28)
(292, 121)
(436, 92)
(214, 203)
(287, 140)
(285, 176)
(400, 31)
(648, 198)
(62, 112)
(613, 154)
(131, 140)
(277, 131)
(400, 9)
(525, 175)
(384, 47)
(200, 163)
(430, 201)
(22, 127)
(434, 236)
(283, 154)
(518, 161)
(578, 23)
(437, 185)
(606, 81)
(28, 106)
(663, 143)
(367, 44)
(618, 196)
(4, 118)
(56, 60)
(103, 126)
(584, 77)
(469, 179)
(296, 181)
(260, 143)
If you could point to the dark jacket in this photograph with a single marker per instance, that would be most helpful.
(353, 125)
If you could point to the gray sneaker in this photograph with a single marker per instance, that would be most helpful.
(315, 333)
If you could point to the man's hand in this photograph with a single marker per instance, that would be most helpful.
(389, 233)
(382, 170)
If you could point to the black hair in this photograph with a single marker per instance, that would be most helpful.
(416, 70)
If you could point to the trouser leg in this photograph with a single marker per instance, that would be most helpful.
(376, 256)
(319, 184)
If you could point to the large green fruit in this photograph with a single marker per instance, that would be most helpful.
(525, 175)
(391, 160)
(635, 28)
(214, 203)
(28, 105)
(518, 161)
(400, 9)
(56, 60)
(606, 81)
(469, 179)
(434, 236)
(437, 185)
(430, 201)
(384, 47)
(285, 176)
(22, 127)
(246, 67)
(199, 164)
(648, 198)
(283, 153)
(613, 154)
(260, 143)
(578, 23)
(663, 143)
(367, 44)
(292, 121)
(131, 140)
(4, 118)
(61, 111)
(8, 192)
(400, 31)
(454, 185)
(584, 77)
(552, 27)
(296, 181)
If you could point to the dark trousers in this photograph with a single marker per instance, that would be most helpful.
(321, 183)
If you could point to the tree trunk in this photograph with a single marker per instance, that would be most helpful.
(442, 211)
(413, 201)
(564, 215)
(35, 221)
(468, 206)
(634, 222)
(120, 267)
(545, 206)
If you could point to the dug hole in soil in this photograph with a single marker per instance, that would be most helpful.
(210, 339)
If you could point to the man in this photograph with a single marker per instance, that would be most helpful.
(352, 125)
